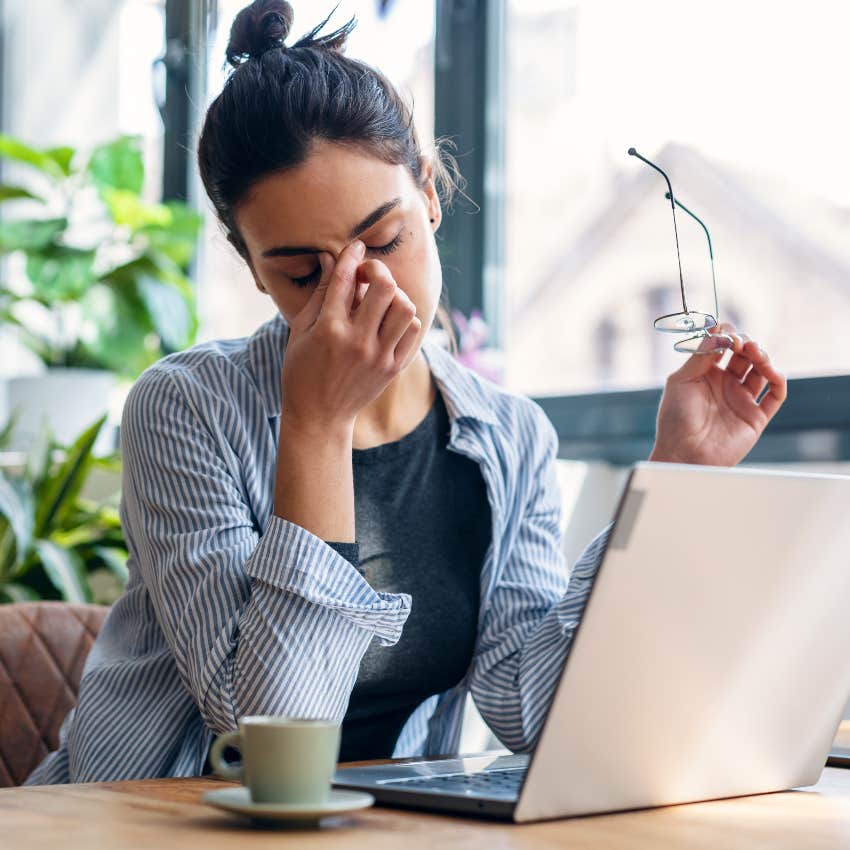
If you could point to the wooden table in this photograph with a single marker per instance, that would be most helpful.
(168, 814)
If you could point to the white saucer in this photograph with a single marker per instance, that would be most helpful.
(239, 800)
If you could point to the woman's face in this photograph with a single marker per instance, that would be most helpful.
(336, 195)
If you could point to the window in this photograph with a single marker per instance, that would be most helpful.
(107, 51)
(743, 110)
(78, 74)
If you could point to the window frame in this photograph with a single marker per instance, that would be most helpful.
(813, 425)
(3, 122)
(187, 26)
(469, 45)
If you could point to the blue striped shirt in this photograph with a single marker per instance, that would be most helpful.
(231, 610)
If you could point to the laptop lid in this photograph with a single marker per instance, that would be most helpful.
(713, 658)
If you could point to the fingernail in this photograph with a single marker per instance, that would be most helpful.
(359, 248)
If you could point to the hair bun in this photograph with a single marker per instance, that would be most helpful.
(262, 26)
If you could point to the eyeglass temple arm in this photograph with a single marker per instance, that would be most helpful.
(710, 251)
(633, 152)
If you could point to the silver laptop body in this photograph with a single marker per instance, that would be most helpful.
(712, 660)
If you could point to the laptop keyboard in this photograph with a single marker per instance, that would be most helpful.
(499, 782)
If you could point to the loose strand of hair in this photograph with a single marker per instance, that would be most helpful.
(332, 41)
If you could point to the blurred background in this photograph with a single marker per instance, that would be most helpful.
(556, 264)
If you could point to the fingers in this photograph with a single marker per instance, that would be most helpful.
(760, 376)
(748, 367)
(726, 328)
(366, 294)
(737, 364)
(310, 311)
(704, 359)
(341, 282)
(755, 382)
(772, 400)
(380, 291)
(360, 290)
(397, 319)
(695, 366)
(383, 303)
(767, 376)
(408, 341)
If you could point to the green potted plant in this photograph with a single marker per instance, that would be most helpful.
(95, 278)
(55, 543)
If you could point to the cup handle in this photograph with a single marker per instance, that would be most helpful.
(217, 762)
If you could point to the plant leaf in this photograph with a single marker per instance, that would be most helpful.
(115, 560)
(65, 569)
(61, 274)
(61, 489)
(117, 330)
(29, 234)
(118, 165)
(179, 237)
(44, 161)
(40, 346)
(10, 193)
(129, 210)
(14, 592)
(16, 507)
(8, 554)
(62, 156)
(9, 429)
(38, 457)
(84, 531)
(109, 463)
(171, 314)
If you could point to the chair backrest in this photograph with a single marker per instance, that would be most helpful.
(43, 646)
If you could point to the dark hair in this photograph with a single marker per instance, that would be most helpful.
(279, 99)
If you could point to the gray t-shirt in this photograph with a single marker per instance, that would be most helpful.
(422, 524)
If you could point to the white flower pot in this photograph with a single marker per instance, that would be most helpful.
(67, 400)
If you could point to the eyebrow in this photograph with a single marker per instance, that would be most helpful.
(373, 217)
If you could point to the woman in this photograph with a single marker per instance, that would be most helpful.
(333, 518)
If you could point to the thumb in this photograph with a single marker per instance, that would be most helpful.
(310, 311)
(696, 366)
(705, 359)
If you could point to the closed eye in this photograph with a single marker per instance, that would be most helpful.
(313, 277)
(383, 250)
(389, 247)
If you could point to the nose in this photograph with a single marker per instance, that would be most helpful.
(335, 247)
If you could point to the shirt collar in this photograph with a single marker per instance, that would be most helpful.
(463, 391)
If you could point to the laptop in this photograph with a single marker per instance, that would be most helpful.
(712, 660)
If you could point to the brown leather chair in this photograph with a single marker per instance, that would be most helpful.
(42, 649)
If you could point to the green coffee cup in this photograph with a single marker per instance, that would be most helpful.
(284, 759)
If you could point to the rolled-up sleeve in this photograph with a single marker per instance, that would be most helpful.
(268, 620)
(535, 607)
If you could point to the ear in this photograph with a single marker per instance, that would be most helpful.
(240, 249)
(429, 189)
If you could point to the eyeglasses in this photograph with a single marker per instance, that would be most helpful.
(690, 321)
